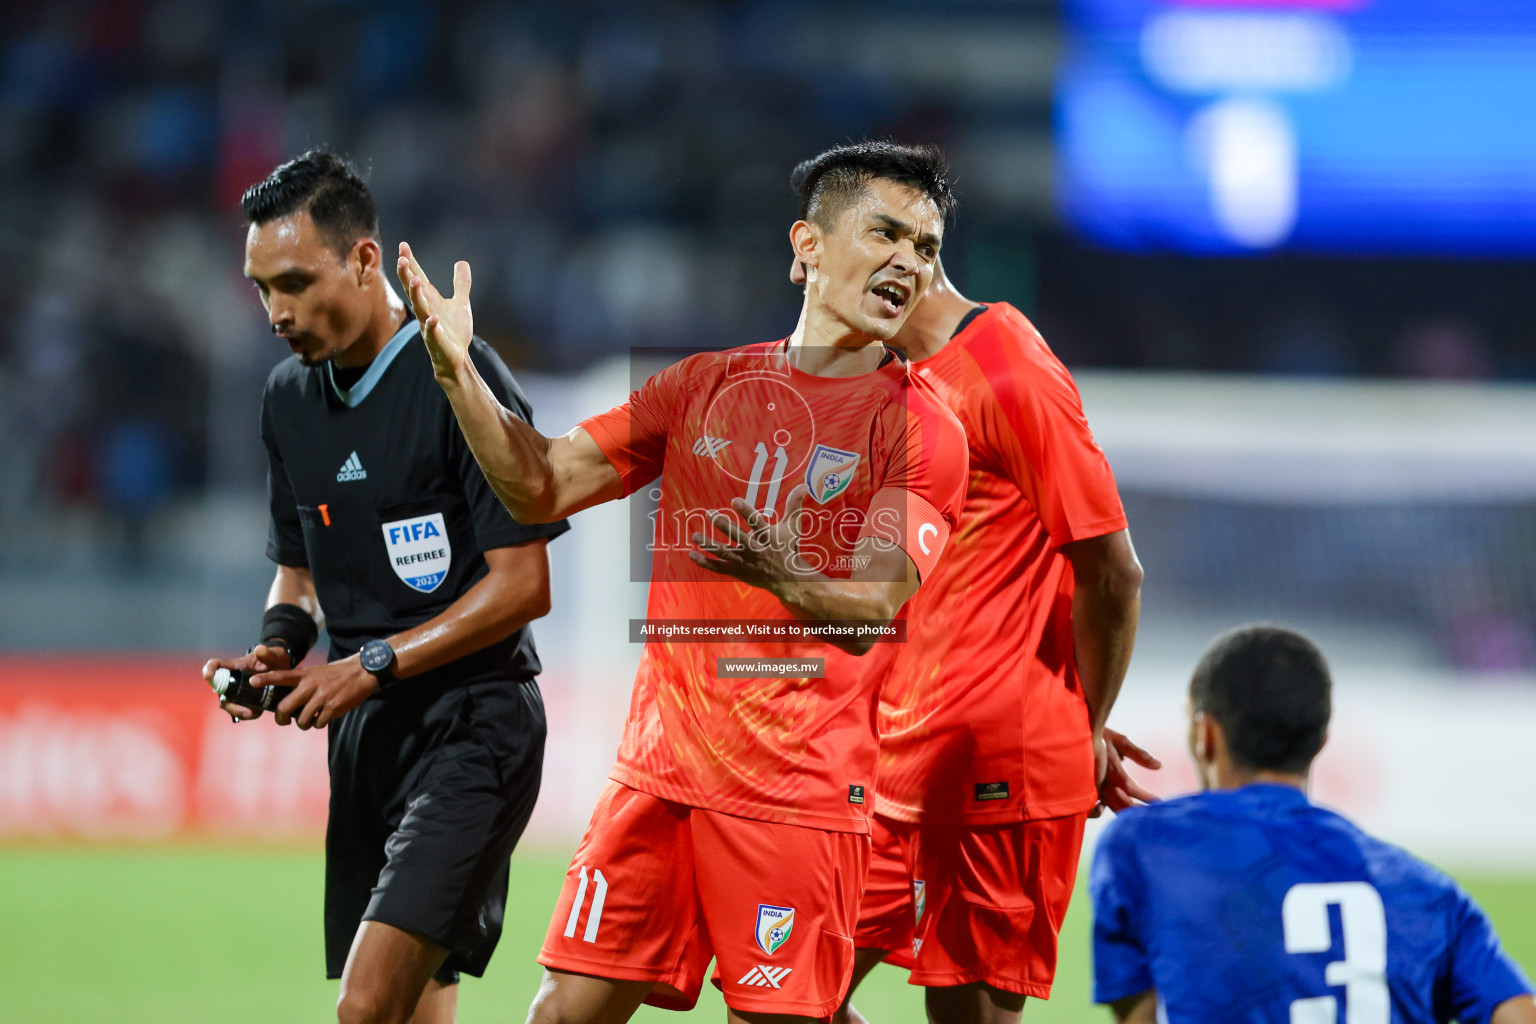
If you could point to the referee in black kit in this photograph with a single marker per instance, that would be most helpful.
(382, 520)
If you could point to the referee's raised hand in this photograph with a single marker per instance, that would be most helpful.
(447, 325)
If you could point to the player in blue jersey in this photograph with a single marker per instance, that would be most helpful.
(1246, 904)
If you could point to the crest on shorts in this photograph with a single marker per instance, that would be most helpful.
(919, 897)
(419, 551)
(830, 472)
(773, 926)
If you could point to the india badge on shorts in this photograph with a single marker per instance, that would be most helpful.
(919, 897)
(419, 551)
(830, 472)
(773, 926)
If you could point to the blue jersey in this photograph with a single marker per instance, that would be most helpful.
(1252, 906)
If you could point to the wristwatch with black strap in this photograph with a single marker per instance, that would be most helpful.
(377, 657)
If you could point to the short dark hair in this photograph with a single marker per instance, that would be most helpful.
(1270, 690)
(326, 186)
(827, 184)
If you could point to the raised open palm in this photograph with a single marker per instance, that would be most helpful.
(447, 325)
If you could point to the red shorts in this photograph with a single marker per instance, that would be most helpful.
(960, 903)
(658, 888)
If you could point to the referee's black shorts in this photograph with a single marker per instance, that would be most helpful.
(431, 786)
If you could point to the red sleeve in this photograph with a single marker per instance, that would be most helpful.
(1035, 430)
(920, 498)
(633, 436)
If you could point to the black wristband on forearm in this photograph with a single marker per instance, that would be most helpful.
(292, 626)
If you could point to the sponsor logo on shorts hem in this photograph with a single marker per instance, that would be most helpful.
(764, 976)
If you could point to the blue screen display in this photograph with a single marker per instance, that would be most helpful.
(1369, 126)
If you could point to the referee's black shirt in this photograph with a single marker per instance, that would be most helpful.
(374, 489)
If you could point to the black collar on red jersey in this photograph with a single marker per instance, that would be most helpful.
(965, 321)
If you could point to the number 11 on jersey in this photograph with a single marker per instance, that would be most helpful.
(595, 915)
(780, 463)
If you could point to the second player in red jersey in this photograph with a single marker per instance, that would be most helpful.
(992, 719)
(810, 480)
(985, 717)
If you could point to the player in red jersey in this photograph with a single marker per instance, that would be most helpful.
(735, 822)
(994, 748)
(993, 741)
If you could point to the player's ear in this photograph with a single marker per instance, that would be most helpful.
(1202, 739)
(805, 240)
(1215, 740)
(365, 260)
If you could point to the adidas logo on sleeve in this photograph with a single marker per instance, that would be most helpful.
(352, 469)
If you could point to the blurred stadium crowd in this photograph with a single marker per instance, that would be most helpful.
(617, 174)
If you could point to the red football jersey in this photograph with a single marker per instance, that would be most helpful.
(983, 718)
(882, 456)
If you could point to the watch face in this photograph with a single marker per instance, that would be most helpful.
(376, 655)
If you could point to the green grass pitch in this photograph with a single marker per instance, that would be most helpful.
(133, 936)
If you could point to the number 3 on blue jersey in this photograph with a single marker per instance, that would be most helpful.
(1363, 971)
